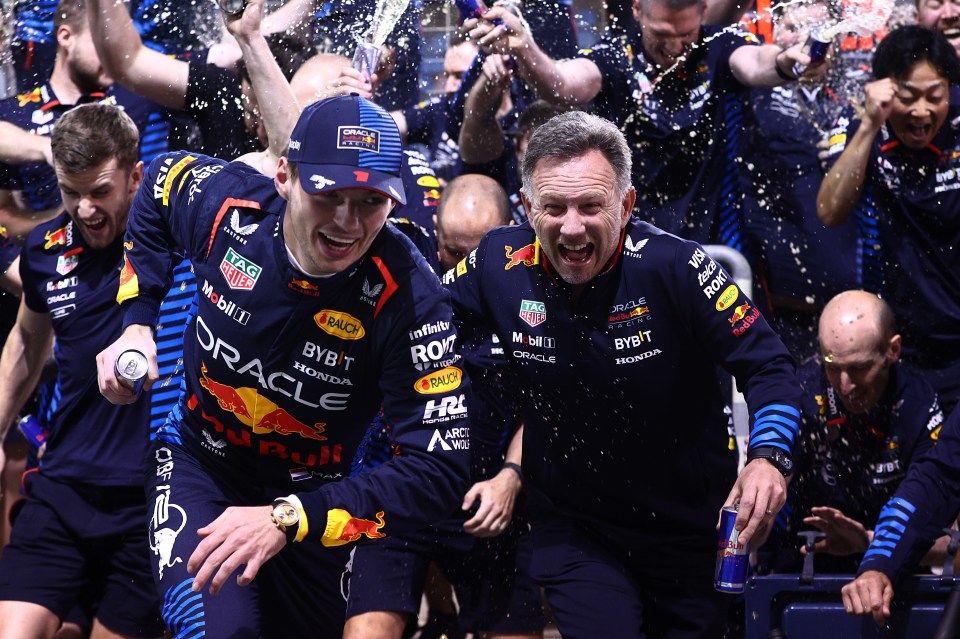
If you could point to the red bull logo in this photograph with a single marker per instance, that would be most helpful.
(339, 324)
(26, 98)
(432, 194)
(55, 238)
(227, 396)
(640, 310)
(283, 423)
(267, 417)
(747, 314)
(739, 313)
(344, 528)
(129, 283)
(441, 381)
(527, 255)
(303, 286)
(428, 181)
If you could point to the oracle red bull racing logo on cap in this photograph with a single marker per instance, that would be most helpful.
(532, 312)
(441, 381)
(339, 324)
(358, 137)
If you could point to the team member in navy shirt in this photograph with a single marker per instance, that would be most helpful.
(312, 316)
(80, 536)
(678, 90)
(802, 263)
(614, 330)
(866, 418)
(29, 190)
(899, 167)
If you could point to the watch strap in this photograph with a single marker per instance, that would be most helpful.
(300, 531)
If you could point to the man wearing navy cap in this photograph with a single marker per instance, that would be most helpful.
(312, 314)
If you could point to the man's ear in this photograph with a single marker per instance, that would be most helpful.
(628, 201)
(282, 179)
(893, 350)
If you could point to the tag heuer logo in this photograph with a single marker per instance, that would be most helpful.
(239, 272)
(533, 313)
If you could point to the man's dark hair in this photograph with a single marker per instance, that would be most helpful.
(535, 115)
(908, 45)
(89, 135)
(290, 50)
(674, 5)
(72, 13)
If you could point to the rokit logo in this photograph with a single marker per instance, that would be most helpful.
(435, 354)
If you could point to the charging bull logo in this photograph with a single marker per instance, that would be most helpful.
(129, 282)
(164, 538)
(55, 238)
(344, 528)
(227, 396)
(282, 423)
(739, 313)
(527, 255)
(267, 417)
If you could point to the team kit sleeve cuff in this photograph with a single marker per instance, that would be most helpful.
(141, 311)
(303, 527)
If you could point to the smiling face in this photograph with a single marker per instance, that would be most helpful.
(98, 200)
(942, 16)
(668, 33)
(327, 232)
(920, 105)
(577, 215)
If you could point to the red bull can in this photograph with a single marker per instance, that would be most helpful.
(32, 431)
(817, 46)
(733, 558)
(131, 370)
(233, 8)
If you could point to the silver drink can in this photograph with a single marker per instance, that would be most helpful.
(131, 370)
(233, 8)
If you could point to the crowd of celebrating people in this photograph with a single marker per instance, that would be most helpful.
(479, 344)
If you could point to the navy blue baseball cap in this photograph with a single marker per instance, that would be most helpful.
(348, 142)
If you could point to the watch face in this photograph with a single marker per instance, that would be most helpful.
(286, 514)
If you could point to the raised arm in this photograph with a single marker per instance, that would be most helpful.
(278, 105)
(144, 71)
(571, 82)
(481, 137)
(843, 185)
(770, 66)
(19, 147)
